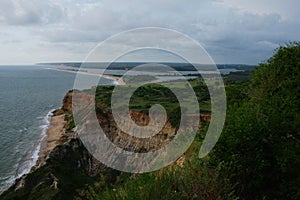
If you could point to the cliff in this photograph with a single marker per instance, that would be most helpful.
(67, 167)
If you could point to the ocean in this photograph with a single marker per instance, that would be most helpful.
(28, 95)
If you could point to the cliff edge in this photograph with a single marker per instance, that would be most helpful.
(65, 166)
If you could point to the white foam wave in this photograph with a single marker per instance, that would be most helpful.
(25, 166)
(29, 163)
(6, 182)
(44, 127)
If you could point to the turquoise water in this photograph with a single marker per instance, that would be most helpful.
(28, 94)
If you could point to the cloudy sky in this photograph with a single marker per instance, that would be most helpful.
(231, 31)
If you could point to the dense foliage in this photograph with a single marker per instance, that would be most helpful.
(260, 144)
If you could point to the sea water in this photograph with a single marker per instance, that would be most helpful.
(28, 95)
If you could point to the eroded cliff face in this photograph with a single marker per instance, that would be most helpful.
(129, 142)
(72, 150)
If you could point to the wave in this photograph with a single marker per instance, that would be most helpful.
(24, 167)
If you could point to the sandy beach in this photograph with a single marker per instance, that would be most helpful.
(55, 134)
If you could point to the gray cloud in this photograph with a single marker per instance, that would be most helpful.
(230, 30)
(18, 12)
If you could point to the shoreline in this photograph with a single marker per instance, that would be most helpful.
(54, 135)
(117, 79)
(46, 144)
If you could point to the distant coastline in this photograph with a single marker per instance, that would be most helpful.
(117, 79)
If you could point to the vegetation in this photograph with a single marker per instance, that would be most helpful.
(150, 94)
(237, 77)
(260, 142)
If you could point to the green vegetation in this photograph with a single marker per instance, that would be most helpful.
(260, 142)
(149, 94)
(137, 79)
(237, 77)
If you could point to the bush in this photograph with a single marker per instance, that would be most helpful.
(260, 144)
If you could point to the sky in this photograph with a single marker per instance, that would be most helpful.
(231, 31)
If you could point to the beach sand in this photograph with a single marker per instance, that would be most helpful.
(55, 135)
